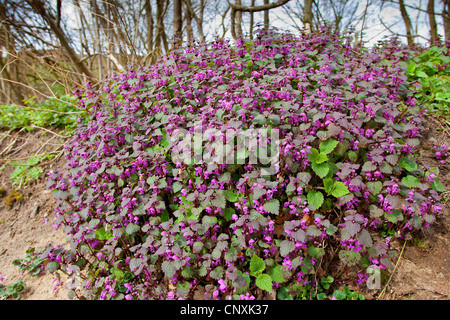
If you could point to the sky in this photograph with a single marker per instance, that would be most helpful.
(374, 30)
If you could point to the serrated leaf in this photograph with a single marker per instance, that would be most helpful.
(52, 266)
(315, 198)
(299, 235)
(177, 187)
(369, 166)
(168, 268)
(313, 231)
(437, 185)
(374, 187)
(228, 213)
(286, 247)
(231, 195)
(315, 252)
(217, 273)
(276, 273)
(410, 181)
(407, 164)
(258, 192)
(272, 206)
(394, 216)
(353, 156)
(350, 229)
(320, 169)
(304, 177)
(219, 201)
(349, 257)
(339, 189)
(328, 146)
(187, 272)
(321, 157)
(257, 265)
(365, 238)
(283, 293)
(328, 184)
(264, 282)
(132, 228)
(375, 212)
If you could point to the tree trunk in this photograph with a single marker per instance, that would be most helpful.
(177, 23)
(266, 16)
(238, 27)
(39, 8)
(188, 15)
(149, 17)
(252, 18)
(446, 19)
(432, 19)
(407, 22)
(308, 16)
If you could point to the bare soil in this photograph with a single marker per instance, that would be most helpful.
(422, 272)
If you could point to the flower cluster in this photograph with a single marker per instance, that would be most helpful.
(154, 227)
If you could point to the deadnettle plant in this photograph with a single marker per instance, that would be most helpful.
(146, 223)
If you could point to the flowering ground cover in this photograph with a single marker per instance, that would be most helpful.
(154, 215)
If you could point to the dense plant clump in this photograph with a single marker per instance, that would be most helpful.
(431, 68)
(145, 225)
(54, 112)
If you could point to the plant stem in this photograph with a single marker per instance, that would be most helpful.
(392, 274)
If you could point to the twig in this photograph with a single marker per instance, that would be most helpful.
(35, 126)
(392, 274)
(26, 158)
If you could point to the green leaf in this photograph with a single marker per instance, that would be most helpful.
(421, 74)
(264, 282)
(276, 273)
(339, 189)
(353, 156)
(52, 266)
(437, 185)
(217, 273)
(228, 213)
(257, 265)
(328, 145)
(132, 228)
(168, 268)
(272, 206)
(286, 247)
(321, 157)
(394, 216)
(328, 185)
(177, 187)
(339, 295)
(283, 294)
(315, 198)
(219, 201)
(320, 169)
(374, 187)
(315, 252)
(231, 195)
(410, 181)
(407, 164)
(101, 234)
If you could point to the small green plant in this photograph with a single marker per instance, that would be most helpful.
(27, 170)
(432, 70)
(347, 294)
(307, 291)
(55, 112)
(265, 281)
(31, 263)
(13, 291)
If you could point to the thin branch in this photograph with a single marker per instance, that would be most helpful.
(258, 8)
